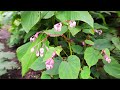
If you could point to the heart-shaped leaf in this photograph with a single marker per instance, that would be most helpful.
(69, 69)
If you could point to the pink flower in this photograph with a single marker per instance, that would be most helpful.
(49, 63)
(83, 43)
(98, 31)
(53, 54)
(107, 58)
(36, 35)
(32, 49)
(72, 23)
(37, 53)
(32, 39)
(58, 27)
(41, 50)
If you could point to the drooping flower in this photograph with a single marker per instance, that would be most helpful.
(49, 63)
(41, 52)
(107, 58)
(53, 54)
(98, 31)
(36, 35)
(72, 23)
(58, 27)
(32, 39)
(32, 49)
(37, 53)
(83, 43)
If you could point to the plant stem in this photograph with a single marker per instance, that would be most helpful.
(65, 52)
(56, 41)
(69, 43)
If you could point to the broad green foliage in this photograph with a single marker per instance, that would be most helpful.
(116, 42)
(38, 64)
(70, 69)
(85, 73)
(29, 19)
(77, 49)
(88, 31)
(28, 58)
(72, 36)
(91, 56)
(45, 76)
(54, 33)
(75, 15)
(74, 31)
(54, 71)
(47, 14)
(102, 44)
(89, 42)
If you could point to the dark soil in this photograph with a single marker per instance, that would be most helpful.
(16, 73)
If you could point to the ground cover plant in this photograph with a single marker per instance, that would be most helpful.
(66, 44)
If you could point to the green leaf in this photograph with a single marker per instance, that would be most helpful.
(77, 48)
(29, 19)
(85, 73)
(116, 42)
(45, 76)
(75, 15)
(22, 50)
(99, 26)
(58, 49)
(47, 14)
(29, 57)
(89, 31)
(54, 70)
(69, 69)
(91, 56)
(38, 64)
(49, 53)
(74, 30)
(102, 44)
(28, 35)
(89, 42)
(113, 70)
(54, 33)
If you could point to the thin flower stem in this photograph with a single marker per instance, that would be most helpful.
(65, 52)
(69, 44)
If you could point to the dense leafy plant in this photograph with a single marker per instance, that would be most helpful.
(68, 44)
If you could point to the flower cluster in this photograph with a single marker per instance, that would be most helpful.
(106, 57)
(58, 26)
(72, 23)
(33, 38)
(98, 31)
(40, 52)
(50, 62)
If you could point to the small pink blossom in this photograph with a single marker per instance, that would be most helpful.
(41, 54)
(36, 35)
(58, 26)
(53, 54)
(37, 53)
(32, 39)
(32, 49)
(98, 31)
(107, 58)
(49, 63)
(72, 23)
(41, 50)
(83, 43)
